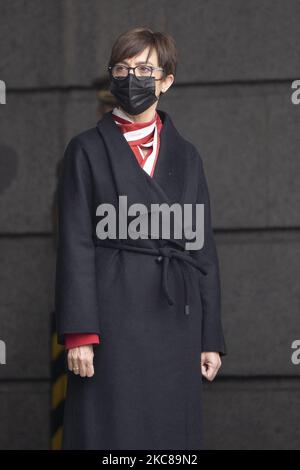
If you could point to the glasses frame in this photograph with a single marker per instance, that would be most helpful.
(110, 67)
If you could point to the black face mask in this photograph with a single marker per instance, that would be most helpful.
(134, 95)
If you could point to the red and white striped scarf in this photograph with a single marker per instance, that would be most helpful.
(141, 135)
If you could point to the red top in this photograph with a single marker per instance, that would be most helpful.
(73, 340)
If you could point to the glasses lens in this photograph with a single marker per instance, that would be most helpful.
(143, 71)
(119, 71)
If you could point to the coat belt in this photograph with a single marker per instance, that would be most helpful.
(163, 255)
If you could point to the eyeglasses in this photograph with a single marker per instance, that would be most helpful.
(140, 71)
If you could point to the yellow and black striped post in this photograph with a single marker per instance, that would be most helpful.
(58, 387)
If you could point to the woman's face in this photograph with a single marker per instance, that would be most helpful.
(142, 58)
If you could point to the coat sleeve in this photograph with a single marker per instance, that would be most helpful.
(210, 285)
(76, 303)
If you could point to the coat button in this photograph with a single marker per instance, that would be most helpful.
(187, 309)
(158, 259)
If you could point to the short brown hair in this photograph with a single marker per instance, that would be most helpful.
(134, 41)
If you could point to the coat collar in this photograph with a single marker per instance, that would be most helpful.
(168, 181)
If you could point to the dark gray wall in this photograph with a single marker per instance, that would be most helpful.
(232, 99)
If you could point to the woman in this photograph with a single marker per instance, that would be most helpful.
(139, 315)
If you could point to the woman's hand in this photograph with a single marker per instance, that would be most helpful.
(80, 360)
(210, 364)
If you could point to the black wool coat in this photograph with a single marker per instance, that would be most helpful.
(154, 306)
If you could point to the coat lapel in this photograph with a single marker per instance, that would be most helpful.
(168, 183)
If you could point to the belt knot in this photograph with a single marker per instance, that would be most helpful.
(164, 251)
(164, 254)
